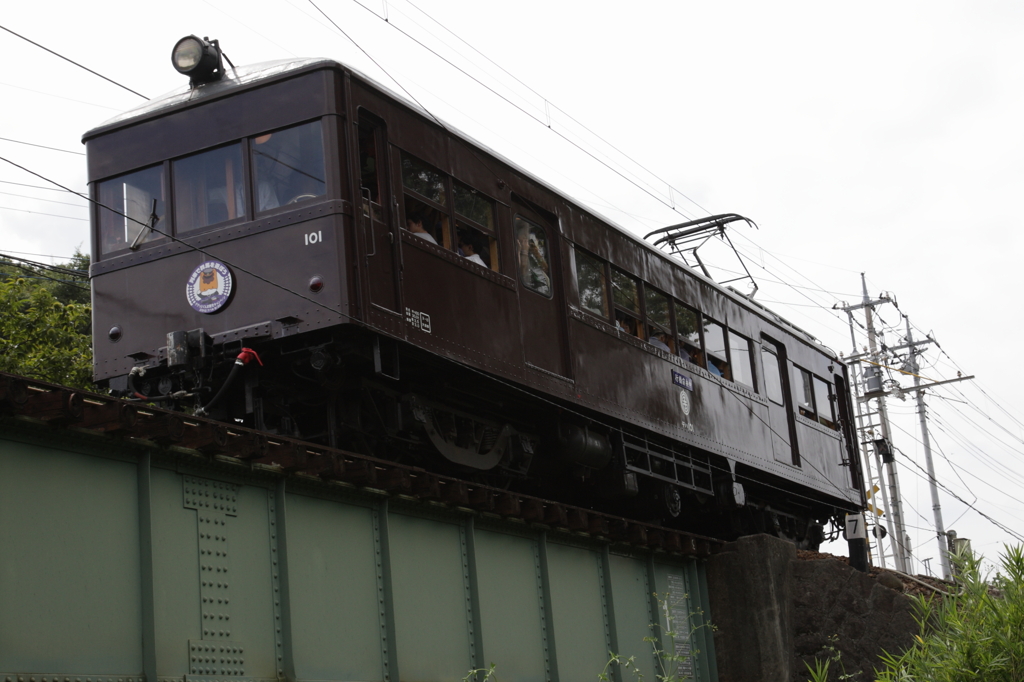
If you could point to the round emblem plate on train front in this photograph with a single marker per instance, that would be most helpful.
(209, 287)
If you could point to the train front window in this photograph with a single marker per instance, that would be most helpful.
(208, 189)
(534, 260)
(593, 287)
(129, 206)
(288, 166)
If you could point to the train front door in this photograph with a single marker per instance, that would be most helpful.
(374, 215)
(780, 402)
(540, 290)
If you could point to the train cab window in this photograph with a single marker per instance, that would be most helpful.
(426, 202)
(208, 189)
(474, 225)
(288, 166)
(658, 309)
(714, 346)
(804, 385)
(740, 360)
(592, 282)
(823, 403)
(129, 206)
(772, 376)
(688, 329)
(626, 297)
(534, 260)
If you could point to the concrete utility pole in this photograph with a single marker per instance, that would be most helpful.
(900, 550)
(872, 388)
(940, 531)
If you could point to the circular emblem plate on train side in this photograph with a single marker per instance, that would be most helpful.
(209, 288)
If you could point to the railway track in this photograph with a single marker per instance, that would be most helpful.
(230, 446)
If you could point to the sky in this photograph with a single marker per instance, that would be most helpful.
(876, 138)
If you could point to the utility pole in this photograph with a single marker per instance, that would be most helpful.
(940, 531)
(900, 550)
(873, 390)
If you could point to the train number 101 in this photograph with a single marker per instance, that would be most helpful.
(314, 238)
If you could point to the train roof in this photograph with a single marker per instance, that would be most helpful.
(256, 74)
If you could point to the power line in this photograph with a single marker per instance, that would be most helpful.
(51, 215)
(69, 99)
(549, 102)
(41, 146)
(22, 184)
(53, 268)
(49, 201)
(592, 155)
(962, 500)
(56, 54)
(38, 275)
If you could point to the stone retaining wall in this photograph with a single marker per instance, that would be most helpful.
(774, 611)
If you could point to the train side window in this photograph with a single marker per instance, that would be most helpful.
(688, 330)
(823, 403)
(369, 164)
(715, 348)
(474, 224)
(658, 309)
(804, 385)
(772, 376)
(127, 205)
(288, 166)
(426, 201)
(534, 261)
(592, 282)
(626, 297)
(208, 189)
(740, 359)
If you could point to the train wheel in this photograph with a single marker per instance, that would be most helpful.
(668, 500)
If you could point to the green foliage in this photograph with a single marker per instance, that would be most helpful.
(44, 329)
(822, 666)
(977, 634)
(668, 661)
(475, 674)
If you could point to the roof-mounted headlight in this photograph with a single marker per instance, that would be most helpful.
(199, 59)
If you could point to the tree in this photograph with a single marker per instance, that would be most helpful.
(45, 323)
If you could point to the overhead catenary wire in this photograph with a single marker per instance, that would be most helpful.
(50, 215)
(42, 146)
(988, 518)
(647, 189)
(49, 201)
(57, 54)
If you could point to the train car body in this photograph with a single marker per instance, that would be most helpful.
(411, 294)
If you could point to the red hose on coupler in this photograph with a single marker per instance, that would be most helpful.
(244, 358)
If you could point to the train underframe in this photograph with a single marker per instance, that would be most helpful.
(355, 390)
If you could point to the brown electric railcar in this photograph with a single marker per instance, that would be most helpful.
(413, 295)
